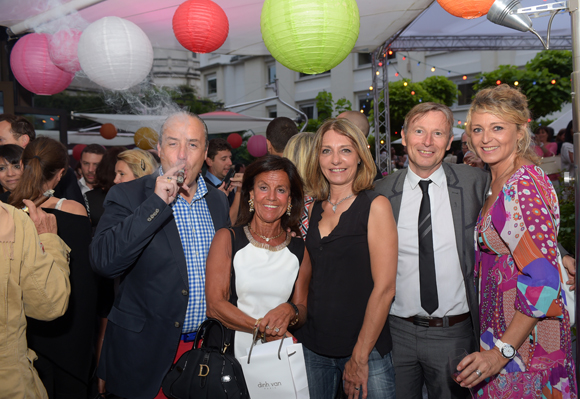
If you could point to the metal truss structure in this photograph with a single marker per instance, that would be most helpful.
(475, 43)
(382, 121)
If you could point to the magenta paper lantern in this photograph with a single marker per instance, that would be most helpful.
(62, 48)
(200, 26)
(235, 140)
(257, 146)
(32, 67)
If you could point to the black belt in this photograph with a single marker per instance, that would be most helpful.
(427, 321)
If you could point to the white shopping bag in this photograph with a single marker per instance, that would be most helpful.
(276, 370)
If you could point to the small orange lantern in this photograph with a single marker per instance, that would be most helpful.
(467, 9)
(108, 131)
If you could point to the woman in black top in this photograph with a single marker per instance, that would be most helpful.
(352, 243)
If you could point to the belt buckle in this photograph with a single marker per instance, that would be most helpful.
(422, 321)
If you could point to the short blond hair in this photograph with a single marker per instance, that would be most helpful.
(139, 161)
(298, 150)
(366, 170)
(510, 105)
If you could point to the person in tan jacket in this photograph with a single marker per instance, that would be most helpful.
(34, 282)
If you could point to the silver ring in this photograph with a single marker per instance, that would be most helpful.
(276, 329)
(479, 373)
(357, 388)
(169, 178)
(267, 327)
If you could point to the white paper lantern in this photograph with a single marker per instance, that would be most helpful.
(115, 53)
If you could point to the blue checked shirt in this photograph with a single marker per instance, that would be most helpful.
(196, 230)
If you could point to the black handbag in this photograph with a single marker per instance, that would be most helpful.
(206, 372)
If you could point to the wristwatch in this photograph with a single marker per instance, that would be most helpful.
(506, 350)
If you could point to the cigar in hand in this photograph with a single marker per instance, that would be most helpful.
(180, 176)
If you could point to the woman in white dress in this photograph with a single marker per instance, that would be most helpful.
(257, 274)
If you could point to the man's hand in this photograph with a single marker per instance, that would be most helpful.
(235, 182)
(570, 265)
(44, 222)
(166, 186)
(472, 160)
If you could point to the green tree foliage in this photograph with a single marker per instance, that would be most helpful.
(327, 108)
(535, 80)
(404, 97)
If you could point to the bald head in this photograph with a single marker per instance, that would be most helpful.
(359, 119)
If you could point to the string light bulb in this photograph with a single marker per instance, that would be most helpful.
(378, 73)
(464, 77)
(390, 52)
(516, 83)
(380, 64)
(412, 92)
(404, 58)
(405, 83)
(371, 88)
(553, 81)
(432, 69)
(498, 82)
(396, 73)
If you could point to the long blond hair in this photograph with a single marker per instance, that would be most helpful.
(298, 150)
(510, 105)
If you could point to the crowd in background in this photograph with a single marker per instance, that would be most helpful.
(375, 275)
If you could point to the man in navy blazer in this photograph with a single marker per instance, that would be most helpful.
(155, 234)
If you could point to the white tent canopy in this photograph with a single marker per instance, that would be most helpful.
(379, 20)
(217, 122)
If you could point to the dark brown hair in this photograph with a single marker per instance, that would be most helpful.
(105, 172)
(271, 163)
(42, 159)
(19, 126)
(279, 131)
(217, 145)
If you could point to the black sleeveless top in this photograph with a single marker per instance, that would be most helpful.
(341, 282)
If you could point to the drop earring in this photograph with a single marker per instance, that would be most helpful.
(251, 202)
(289, 209)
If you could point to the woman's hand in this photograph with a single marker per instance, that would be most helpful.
(489, 363)
(275, 323)
(356, 376)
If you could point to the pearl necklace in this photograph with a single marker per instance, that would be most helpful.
(338, 203)
(267, 239)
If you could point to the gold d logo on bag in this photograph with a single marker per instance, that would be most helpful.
(202, 369)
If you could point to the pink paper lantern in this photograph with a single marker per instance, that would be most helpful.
(235, 140)
(62, 48)
(200, 26)
(32, 67)
(257, 146)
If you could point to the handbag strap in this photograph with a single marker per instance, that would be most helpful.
(202, 330)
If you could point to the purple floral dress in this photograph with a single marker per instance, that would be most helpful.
(517, 269)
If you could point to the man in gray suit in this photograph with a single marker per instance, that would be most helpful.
(435, 311)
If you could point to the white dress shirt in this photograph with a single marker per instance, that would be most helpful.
(83, 185)
(450, 286)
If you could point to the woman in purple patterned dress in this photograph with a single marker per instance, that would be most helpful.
(525, 348)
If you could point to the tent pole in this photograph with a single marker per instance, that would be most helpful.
(575, 16)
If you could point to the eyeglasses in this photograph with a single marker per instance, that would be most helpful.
(464, 143)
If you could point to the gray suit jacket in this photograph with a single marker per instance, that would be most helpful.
(467, 189)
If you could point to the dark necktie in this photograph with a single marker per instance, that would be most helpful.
(428, 282)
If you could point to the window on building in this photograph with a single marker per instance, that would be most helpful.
(364, 103)
(466, 92)
(305, 75)
(364, 59)
(308, 109)
(271, 73)
(211, 85)
(272, 111)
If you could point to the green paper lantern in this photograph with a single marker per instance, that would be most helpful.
(310, 36)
